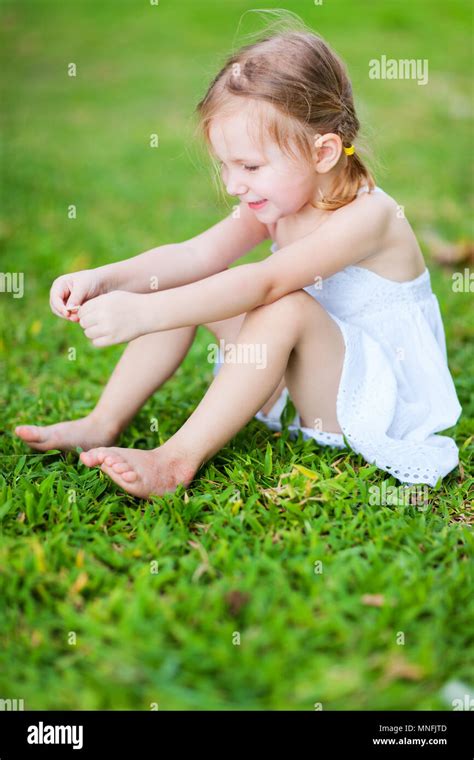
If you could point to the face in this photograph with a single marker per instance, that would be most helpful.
(251, 173)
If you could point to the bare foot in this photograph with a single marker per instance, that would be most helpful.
(142, 473)
(86, 432)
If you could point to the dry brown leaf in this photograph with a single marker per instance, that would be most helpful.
(398, 667)
(79, 583)
(36, 638)
(236, 600)
(373, 600)
(447, 253)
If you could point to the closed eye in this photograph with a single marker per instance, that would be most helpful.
(248, 168)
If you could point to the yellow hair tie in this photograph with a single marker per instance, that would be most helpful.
(349, 151)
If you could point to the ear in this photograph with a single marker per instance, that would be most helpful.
(327, 152)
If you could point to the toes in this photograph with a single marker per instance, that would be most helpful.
(83, 457)
(37, 438)
(119, 467)
(39, 446)
(30, 433)
(129, 476)
(89, 458)
(110, 472)
(104, 455)
(113, 459)
(94, 457)
(123, 470)
(118, 478)
(120, 471)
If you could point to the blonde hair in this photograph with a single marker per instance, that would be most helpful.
(306, 83)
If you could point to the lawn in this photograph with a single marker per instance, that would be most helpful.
(272, 582)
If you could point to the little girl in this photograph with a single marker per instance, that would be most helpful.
(343, 309)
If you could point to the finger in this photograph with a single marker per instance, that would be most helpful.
(72, 314)
(59, 312)
(93, 332)
(56, 311)
(103, 341)
(57, 297)
(87, 321)
(84, 309)
(74, 301)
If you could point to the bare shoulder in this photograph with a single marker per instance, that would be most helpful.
(373, 223)
(378, 205)
(366, 213)
(398, 255)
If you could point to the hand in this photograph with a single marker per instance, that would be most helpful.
(115, 317)
(72, 290)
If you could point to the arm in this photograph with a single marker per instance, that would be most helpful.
(120, 316)
(351, 234)
(163, 267)
(348, 236)
(170, 266)
(218, 297)
(166, 266)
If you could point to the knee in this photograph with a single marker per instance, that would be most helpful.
(289, 307)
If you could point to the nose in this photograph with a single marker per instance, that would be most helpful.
(234, 185)
(234, 188)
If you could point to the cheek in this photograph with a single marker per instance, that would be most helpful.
(300, 183)
(287, 183)
(288, 191)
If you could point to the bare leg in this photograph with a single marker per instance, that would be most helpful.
(144, 366)
(228, 330)
(238, 391)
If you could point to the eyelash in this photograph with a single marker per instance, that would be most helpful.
(248, 168)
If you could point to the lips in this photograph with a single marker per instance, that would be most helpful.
(258, 204)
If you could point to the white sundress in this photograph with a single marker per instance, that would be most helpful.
(396, 390)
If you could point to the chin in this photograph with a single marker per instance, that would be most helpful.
(269, 212)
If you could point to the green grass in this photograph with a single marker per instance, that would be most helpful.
(237, 552)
